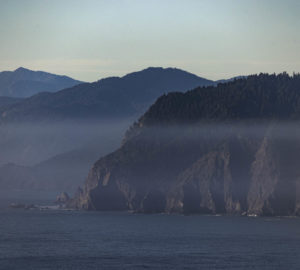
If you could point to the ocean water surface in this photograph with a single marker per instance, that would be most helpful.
(34, 239)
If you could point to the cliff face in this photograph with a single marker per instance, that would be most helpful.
(275, 175)
(236, 180)
(191, 153)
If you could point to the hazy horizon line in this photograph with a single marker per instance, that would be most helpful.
(124, 73)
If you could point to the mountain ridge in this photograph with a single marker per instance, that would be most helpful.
(24, 82)
(108, 97)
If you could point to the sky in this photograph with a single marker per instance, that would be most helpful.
(92, 39)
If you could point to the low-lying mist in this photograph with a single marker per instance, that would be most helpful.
(57, 156)
(54, 156)
(31, 143)
(215, 131)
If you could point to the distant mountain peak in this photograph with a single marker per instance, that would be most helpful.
(153, 73)
(21, 69)
(24, 82)
(154, 68)
(163, 69)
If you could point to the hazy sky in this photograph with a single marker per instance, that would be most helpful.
(91, 39)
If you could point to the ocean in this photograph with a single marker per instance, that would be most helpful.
(52, 239)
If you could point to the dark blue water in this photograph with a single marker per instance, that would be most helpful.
(36, 239)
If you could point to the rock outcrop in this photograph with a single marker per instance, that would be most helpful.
(62, 198)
